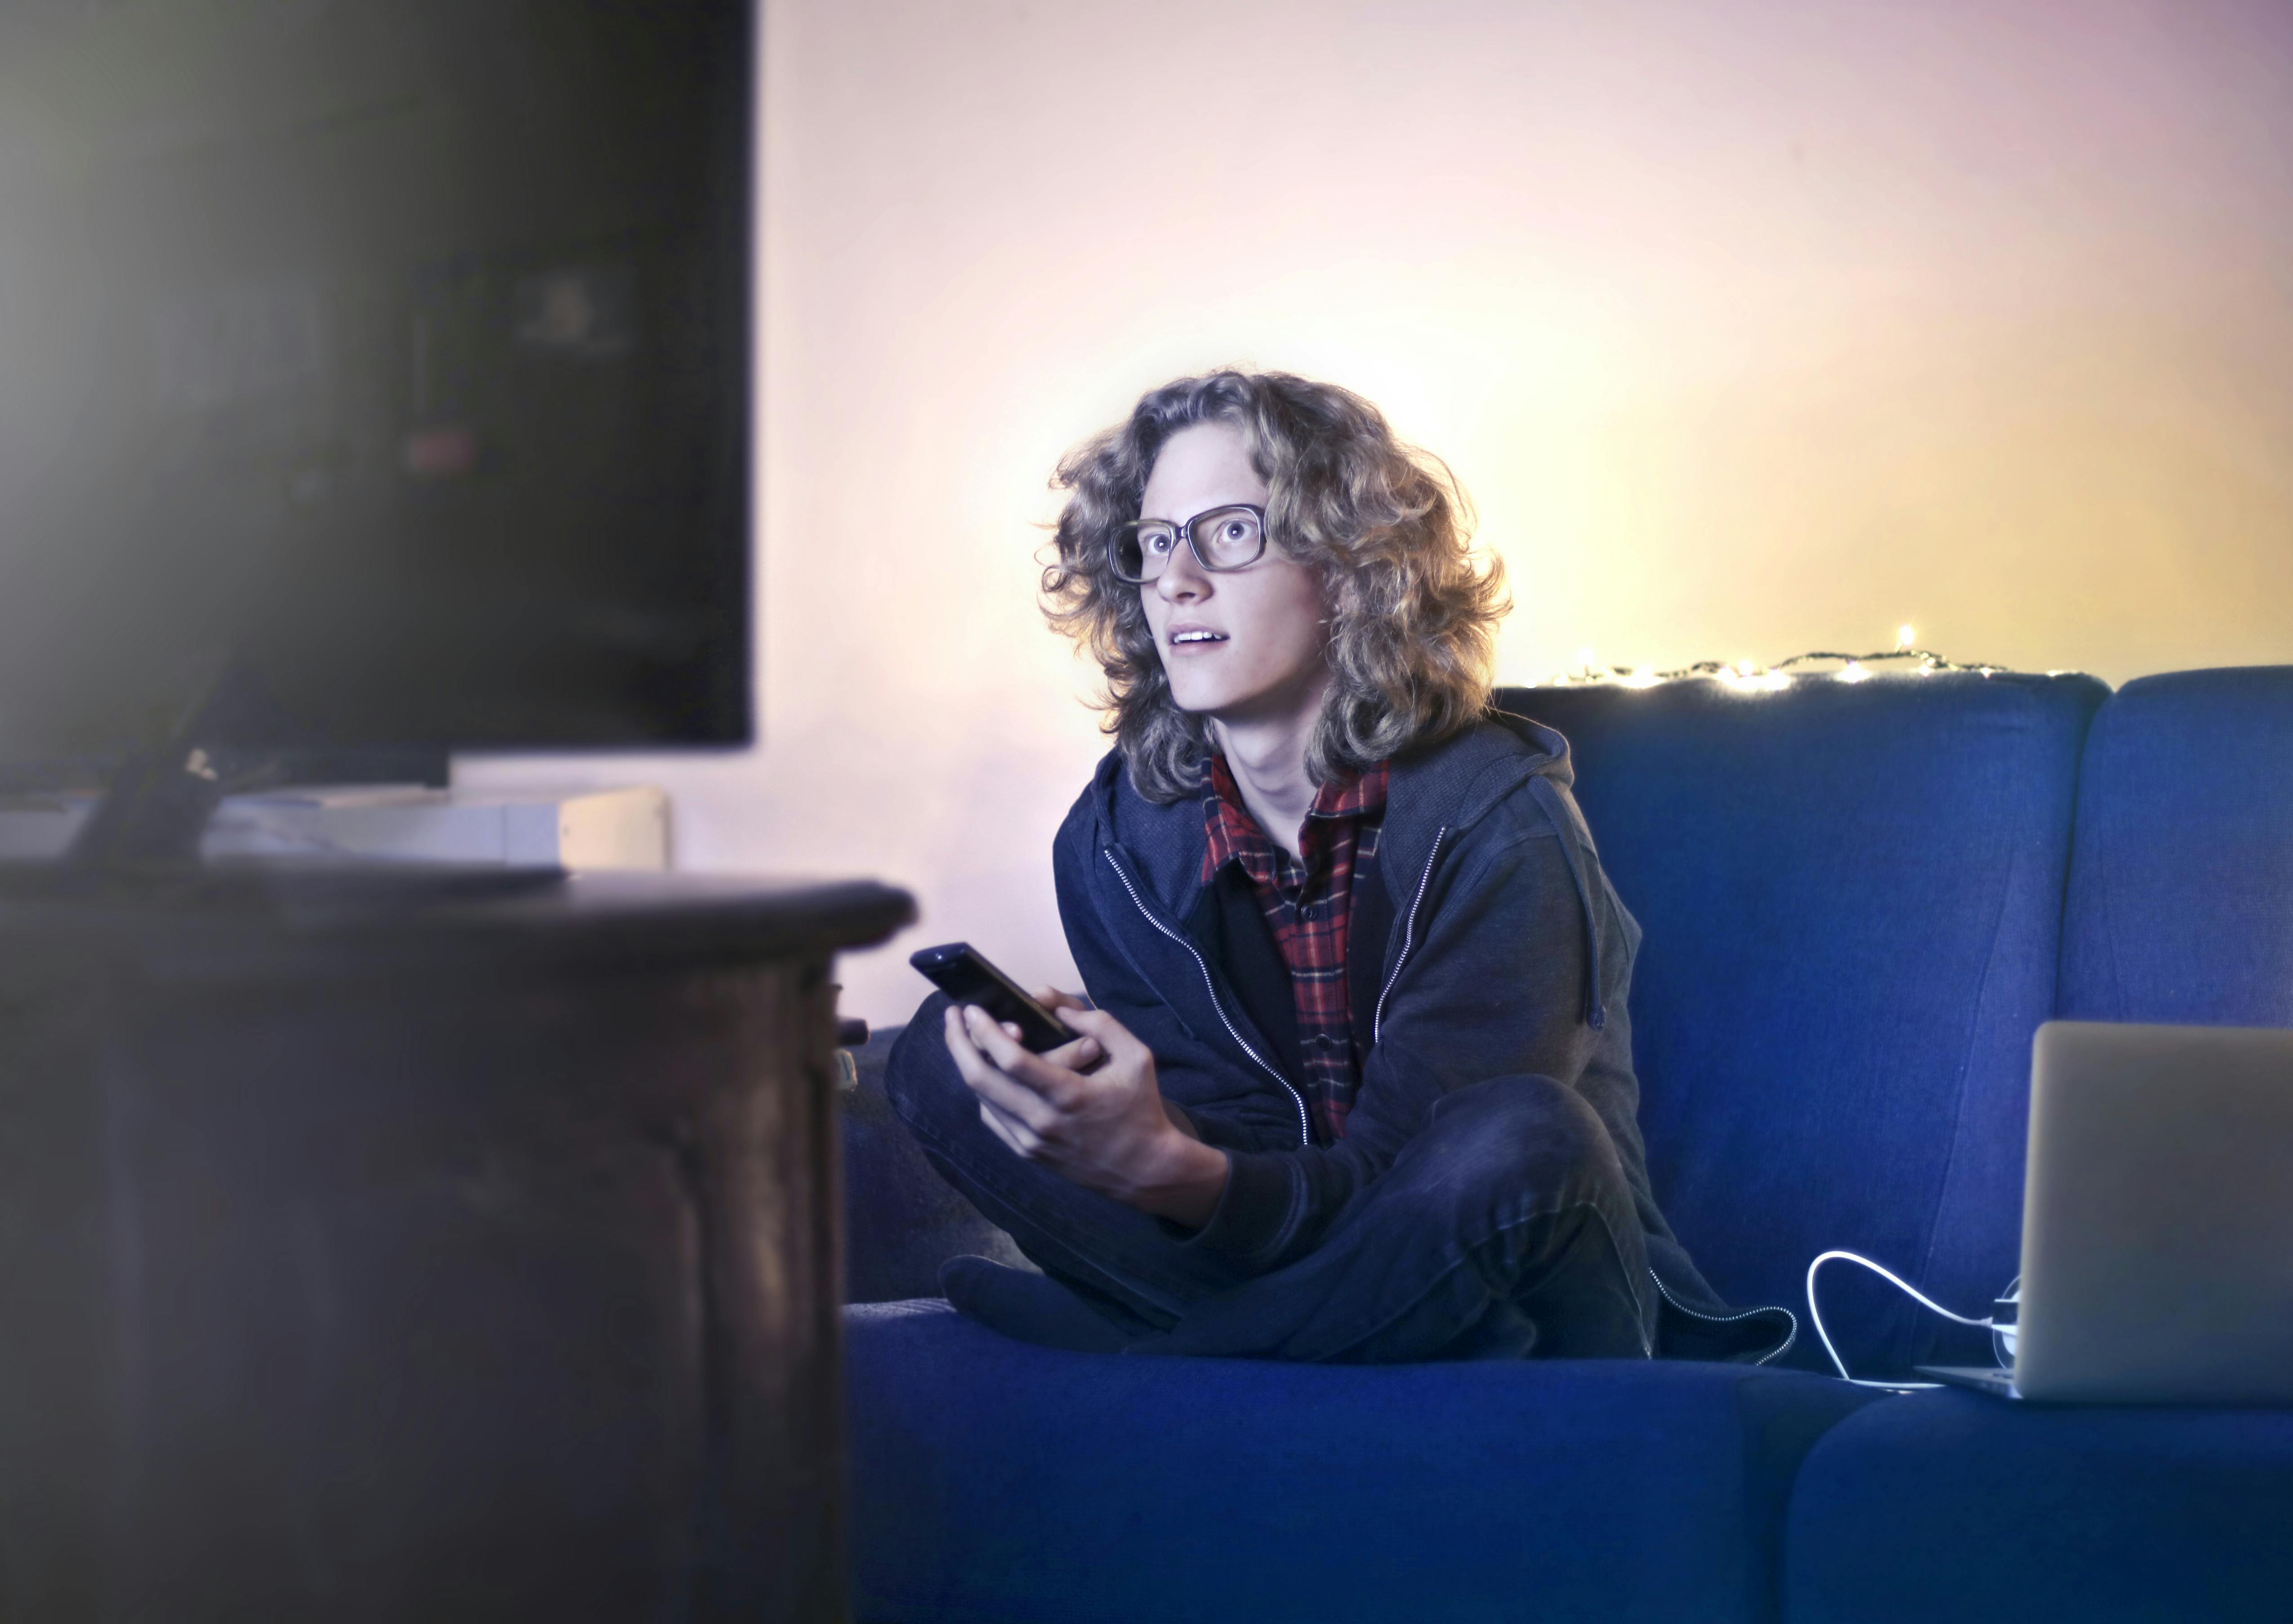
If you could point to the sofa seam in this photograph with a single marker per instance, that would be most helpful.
(1926, 1249)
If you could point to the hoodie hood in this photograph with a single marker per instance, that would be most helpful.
(1450, 786)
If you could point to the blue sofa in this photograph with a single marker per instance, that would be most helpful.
(1860, 900)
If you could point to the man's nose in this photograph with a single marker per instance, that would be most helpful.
(1182, 579)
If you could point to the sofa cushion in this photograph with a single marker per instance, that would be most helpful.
(1953, 1506)
(993, 1481)
(1850, 895)
(2181, 892)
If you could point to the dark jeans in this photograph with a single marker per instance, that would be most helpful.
(1504, 1228)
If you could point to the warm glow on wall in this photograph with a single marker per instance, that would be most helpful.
(1750, 328)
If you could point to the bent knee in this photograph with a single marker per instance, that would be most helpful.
(1508, 1131)
(919, 1075)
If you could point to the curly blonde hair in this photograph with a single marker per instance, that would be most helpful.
(1414, 615)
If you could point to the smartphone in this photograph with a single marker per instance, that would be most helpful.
(961, 971)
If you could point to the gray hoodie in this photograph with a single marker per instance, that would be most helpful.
(1499, 948)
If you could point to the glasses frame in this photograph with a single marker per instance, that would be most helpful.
(1186, 533)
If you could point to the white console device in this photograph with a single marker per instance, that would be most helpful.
(577, 829)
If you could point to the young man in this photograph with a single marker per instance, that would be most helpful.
(1355, 1080)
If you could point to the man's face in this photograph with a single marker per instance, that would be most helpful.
(1241, 644)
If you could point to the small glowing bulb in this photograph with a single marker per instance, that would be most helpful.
(1903, 637)
(1743, 667)
(1854, 672)
(1642, 677)
(1584, 659)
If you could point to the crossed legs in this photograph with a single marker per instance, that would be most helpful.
(1504, 1228)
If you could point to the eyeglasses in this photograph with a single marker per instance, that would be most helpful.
(1221, 537)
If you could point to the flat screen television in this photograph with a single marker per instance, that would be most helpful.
(374, 373)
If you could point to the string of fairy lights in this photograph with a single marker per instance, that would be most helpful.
(1747, 674)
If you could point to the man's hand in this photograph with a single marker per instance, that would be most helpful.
(1088, 1110)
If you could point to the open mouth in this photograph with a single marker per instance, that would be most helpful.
(1181, 639)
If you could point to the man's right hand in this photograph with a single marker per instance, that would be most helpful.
(1089, 1109)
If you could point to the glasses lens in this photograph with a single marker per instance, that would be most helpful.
(1228, 539)
(1141, 550)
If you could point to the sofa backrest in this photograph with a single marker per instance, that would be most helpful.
(2181, 892)
(1850, 895)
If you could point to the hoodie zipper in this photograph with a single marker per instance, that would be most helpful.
(1408, 935)
(1210, 986)
(1778, 1352)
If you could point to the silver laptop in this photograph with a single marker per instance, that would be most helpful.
(2156, 1219)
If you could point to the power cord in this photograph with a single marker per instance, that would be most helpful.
(1900, 1284)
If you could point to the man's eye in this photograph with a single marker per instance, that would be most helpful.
(1157, 541)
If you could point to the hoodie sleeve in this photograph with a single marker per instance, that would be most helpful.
(1230, 1106)
(1496, 984)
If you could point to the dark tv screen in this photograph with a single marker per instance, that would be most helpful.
(381, 366)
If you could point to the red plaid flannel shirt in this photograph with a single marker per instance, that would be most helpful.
(1309, 904)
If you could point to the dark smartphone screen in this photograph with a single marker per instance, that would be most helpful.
(961, 971)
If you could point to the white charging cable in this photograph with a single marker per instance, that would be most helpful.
(1816, 1314)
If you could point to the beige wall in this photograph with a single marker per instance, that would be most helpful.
(1751, 327)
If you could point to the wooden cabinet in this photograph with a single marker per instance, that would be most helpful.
(433, 1257)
